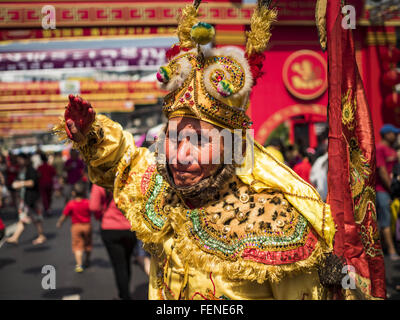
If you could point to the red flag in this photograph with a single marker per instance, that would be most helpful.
(351, 174)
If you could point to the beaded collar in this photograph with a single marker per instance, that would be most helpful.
(236, 224)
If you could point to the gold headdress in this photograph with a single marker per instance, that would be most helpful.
(214, 84)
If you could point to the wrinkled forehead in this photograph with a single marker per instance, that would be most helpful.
(180, 123)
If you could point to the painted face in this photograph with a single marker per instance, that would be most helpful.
(193, 150)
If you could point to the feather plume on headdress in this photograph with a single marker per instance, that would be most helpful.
(214, 84)
(259, 36)
(186, 20)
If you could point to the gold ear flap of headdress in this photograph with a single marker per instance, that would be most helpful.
(186, 20)
(260, 27)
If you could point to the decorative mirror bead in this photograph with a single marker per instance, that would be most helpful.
(262, 200)
(280, 223)
(244, 198)
(240, 216)
(229, 207)
(215, 218)
(167, 208)
(226, 229)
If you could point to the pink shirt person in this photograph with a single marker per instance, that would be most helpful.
(103, 206)
(385, 157)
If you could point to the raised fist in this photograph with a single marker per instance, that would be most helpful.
(79, 116)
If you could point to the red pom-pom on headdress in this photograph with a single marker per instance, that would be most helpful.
(174, 51)
(256, 61)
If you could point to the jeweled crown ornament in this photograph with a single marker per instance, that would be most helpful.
(214, 85)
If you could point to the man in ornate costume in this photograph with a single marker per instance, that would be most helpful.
(214, 231)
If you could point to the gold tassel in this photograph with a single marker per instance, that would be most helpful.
(320, 20)
(165, 271)
(59, 130)
(260, 25)
(185, 281)
(186, 21)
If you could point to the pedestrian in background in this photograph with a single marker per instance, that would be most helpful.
(319, 170)
(27, 186)
(11, 175)
(3, 167)
(2, 229)
(319, 175)
(36, 158)
(303, 168)
(117, 237)
(2, 186)
(142, 257)
(74, 168)
(81, 229)
(292, 155)
(386, 159)
(58, 164)
(46, 178)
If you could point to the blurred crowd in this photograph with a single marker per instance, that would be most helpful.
(312, 165)
(29, 182)
(28, 185)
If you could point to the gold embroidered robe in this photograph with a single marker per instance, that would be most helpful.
(261, 237)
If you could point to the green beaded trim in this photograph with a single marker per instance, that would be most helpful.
(209, 242)
(155, 218)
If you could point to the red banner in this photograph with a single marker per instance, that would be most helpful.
(133, 57)
(351, 175)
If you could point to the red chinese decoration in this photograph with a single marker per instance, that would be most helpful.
(392, 100)
(391, 77)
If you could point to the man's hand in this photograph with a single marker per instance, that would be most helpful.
(79, 116)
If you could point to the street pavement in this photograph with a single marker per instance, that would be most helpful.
(21, 266)
(392, 270)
